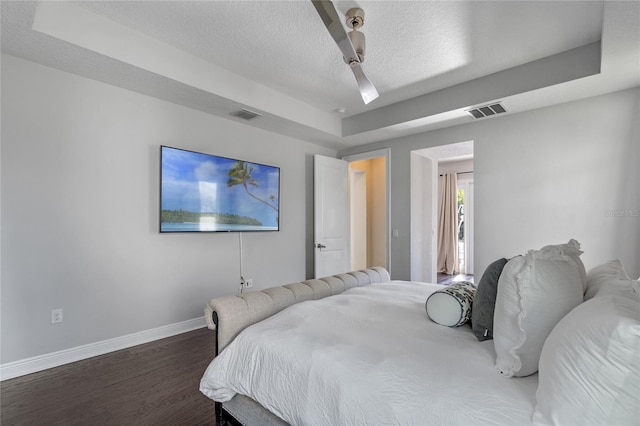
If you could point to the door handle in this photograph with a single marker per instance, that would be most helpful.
(321, 246)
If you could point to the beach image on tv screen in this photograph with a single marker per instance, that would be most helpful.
(207, 193)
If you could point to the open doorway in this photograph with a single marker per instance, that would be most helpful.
(427, 166)
(368, 183)
(462, 169)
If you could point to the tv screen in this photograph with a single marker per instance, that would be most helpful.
(207, 193)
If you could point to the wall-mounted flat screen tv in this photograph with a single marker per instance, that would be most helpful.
(207, 193)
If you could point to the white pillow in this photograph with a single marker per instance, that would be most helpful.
(571, 249)
(534, 292)
(610, 278)
(451, 306)
(590, 366)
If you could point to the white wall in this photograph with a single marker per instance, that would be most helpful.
(541, 177)
(424, 190)
(80, 185)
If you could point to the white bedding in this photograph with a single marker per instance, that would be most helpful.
(369, 356)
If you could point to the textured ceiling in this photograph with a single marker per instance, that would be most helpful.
(430, 60)
(413, 47)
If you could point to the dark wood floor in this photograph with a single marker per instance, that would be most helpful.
(152, 384)
(445, 279)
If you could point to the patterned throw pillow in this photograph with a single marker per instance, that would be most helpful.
(451, 306)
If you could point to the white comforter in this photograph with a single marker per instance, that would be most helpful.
(369, 356)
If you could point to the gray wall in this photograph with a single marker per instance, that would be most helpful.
(541, 177)
(79, 200)
(80, 185)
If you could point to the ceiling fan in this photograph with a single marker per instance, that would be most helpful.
(352, 45)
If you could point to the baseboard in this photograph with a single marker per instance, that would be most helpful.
(42, 362)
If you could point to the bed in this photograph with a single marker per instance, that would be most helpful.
(358, 349)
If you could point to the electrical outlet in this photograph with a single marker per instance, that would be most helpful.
(56, 316)
(249, 283)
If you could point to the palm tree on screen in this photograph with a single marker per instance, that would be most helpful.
(240, 174)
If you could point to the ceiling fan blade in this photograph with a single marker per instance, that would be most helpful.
(367, 89)
(331, 19)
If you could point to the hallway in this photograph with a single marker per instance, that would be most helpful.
(445, 279)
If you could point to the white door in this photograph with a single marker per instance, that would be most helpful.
(466, 184)
(331, 216)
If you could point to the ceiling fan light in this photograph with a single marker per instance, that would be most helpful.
(355, 17)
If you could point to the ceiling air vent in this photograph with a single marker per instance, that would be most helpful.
(487, 110)
(245, 114)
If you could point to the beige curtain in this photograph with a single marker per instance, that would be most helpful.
(448, 225)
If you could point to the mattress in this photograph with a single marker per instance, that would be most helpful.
(369, 356)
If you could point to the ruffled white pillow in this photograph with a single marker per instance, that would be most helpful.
(572, 250)
(534, 292)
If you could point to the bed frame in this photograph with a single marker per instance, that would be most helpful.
(228, 316)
